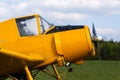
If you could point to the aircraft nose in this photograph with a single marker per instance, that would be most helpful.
(74, 45)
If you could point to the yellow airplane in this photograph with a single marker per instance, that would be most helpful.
(26, 44)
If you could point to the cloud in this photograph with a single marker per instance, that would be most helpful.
(20, 7)
(109, 33)
(3, 9)
(82, 5)
(114, 12)
(89, 7)
(73, 16)
(74, 4)
(64, 8)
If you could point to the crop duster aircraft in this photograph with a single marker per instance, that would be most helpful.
(26, 44)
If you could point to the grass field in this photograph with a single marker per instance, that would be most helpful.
(90, 70)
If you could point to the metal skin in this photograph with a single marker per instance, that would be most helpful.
(22, 54)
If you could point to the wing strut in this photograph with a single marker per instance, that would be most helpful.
(28, 74)
(56, 72)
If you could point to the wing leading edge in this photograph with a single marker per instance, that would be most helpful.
(31, 57)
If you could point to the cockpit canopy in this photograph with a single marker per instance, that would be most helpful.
(31, 25)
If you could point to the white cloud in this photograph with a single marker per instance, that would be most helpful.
(3, 11)
(94, 7)
(109, 33)
(21, 6)
(64, 8)
(114, 12)
(72, 16)
(81, 3)
(113, 3)
(73, 4)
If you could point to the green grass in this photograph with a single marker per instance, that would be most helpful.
(90, 70)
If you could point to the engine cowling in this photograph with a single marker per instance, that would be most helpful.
(75, 45)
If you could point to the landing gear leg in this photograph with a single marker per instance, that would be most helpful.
(28, 74)
(56, 72)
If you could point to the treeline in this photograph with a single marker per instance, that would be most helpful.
(108, 50)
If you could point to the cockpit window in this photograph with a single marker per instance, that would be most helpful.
(27, 26)
(44, 24)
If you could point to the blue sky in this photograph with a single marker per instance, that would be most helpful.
(104, 13)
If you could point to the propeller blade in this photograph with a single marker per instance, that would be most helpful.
(95, 40)
(94, 35)
(94, 30)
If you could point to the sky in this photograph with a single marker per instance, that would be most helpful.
(104, 13)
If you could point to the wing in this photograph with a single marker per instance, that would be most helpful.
(11, 62)
(21, 56)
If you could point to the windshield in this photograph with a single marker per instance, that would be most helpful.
(27, 26)
(44, 24)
